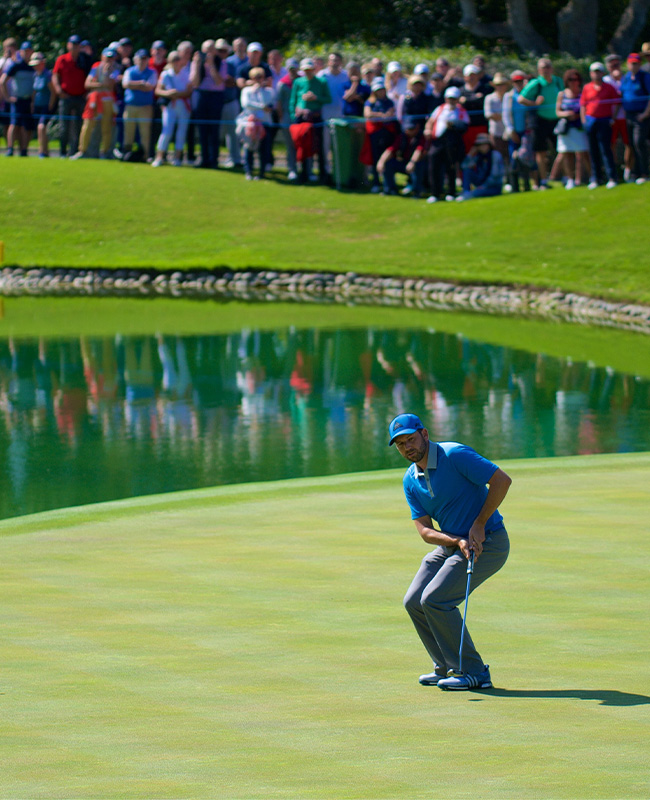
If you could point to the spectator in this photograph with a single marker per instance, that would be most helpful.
(494, 114)
(124, 60)
(175, 89)
(396, 82)
(44, 100)
(452, 76)
(253, 125)
(336, 78)
(157, 62)
(445, 130)
(377, 67)
(483, 170)
(415, 103)
(541, 94)
(572, 142)
(619, 124)
(231, 107)
(472, 96)
(308, 96)
(100, 105)
(284, 105)
(278, 71)
(635, 90)
(186, 51)
(9, 51)
(239, 55)
(254, 52)
(208, 76)
(356, 90)
(484, 79)
(514, 122)
(20, 75)
(124, 54)
(405, 155)
(645, 54)
(139, 83)
(436, 94)
(69, 81)
(381, 128)
(598, 103)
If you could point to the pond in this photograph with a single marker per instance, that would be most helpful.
(93, 418)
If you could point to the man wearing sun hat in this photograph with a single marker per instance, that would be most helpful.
(635, 91)
(452, 485)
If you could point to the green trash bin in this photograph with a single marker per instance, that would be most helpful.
(347, 136)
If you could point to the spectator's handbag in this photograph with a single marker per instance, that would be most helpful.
(54, 129)
(562, 127)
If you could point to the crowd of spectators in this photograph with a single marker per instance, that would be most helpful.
(445, 127)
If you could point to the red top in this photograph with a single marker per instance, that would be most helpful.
(71, 77)
(158, 67)
(600, 101)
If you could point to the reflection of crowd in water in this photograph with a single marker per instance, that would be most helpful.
(129, 415)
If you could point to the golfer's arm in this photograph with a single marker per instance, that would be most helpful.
(499, 484)
(424, 526)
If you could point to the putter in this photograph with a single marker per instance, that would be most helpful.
(470, 569)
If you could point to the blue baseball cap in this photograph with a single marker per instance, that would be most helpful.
(26, 45)
(404, 424)
(74, 39)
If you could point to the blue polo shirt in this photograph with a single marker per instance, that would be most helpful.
(452, 489)
(635, 91)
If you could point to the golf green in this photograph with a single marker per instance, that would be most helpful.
(250, 642)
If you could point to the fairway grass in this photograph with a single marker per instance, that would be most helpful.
(249, 642)
(106, 214)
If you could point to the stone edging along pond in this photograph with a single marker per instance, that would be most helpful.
(324, 287)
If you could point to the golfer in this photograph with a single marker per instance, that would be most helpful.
(459, 489)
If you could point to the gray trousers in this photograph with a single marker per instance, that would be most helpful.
(229, 130)
(70, 111)
(436, 592)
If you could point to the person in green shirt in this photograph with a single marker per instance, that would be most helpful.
(308, 96)
(541, 94)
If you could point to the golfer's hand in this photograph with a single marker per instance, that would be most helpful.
(463, 546)
(476, 538)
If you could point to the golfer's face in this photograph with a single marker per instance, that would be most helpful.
(412, 446)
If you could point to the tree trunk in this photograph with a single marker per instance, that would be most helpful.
(576, 24)
(630, 25)
(518, 25)
(522, 30)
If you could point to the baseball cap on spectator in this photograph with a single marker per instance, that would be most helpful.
(158, 45)
(517, 75)
(597, 66)
(26, 45)
(222, 44)
(307, 63)
(499, 79)
(85, 43)
(109, 52)
(36, 59)
(74, 39)
(417, 79)
(394, 66)
(403, 424)
(292, 63)
(141, 53)
(482, 138)
(612, 57)
(125, 41)
(452, 91)
(421, 69)
(377, 83)
(437, 76)
(471, 69)
(255, 47)
(113, 45)
(635, 58)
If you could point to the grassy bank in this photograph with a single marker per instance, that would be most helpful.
(61, 213)
(174, 647)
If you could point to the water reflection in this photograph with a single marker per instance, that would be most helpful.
(85, 420)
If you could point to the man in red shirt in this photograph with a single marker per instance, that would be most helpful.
(69, 79)
(598, 104)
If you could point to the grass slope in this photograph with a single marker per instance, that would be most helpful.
(94, 213)
(249, 642)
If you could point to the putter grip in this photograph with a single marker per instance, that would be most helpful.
(470, 564)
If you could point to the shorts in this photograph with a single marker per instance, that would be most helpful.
(544, 133)
(21, 113)
(619, 129)
(42, 115)
(574, 141)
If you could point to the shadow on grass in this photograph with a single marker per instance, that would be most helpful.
(605, 698)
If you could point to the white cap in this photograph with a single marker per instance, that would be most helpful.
(254, 46)
(597, 66)
(421, 69)
(307, 63)
(471, 69)
(394, 66)
(452, 91)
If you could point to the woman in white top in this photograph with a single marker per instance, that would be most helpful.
(175, 87)
(254, 121)
(396, 82)
(493, 110)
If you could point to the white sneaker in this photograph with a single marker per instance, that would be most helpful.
(640, 181)
(460, 198)
(592, 185)
(292, 176)
(450, 198)
(406, 191)
(432, 199)
(569, 184)
(157, 163)
(610, 184)
(507, 188)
